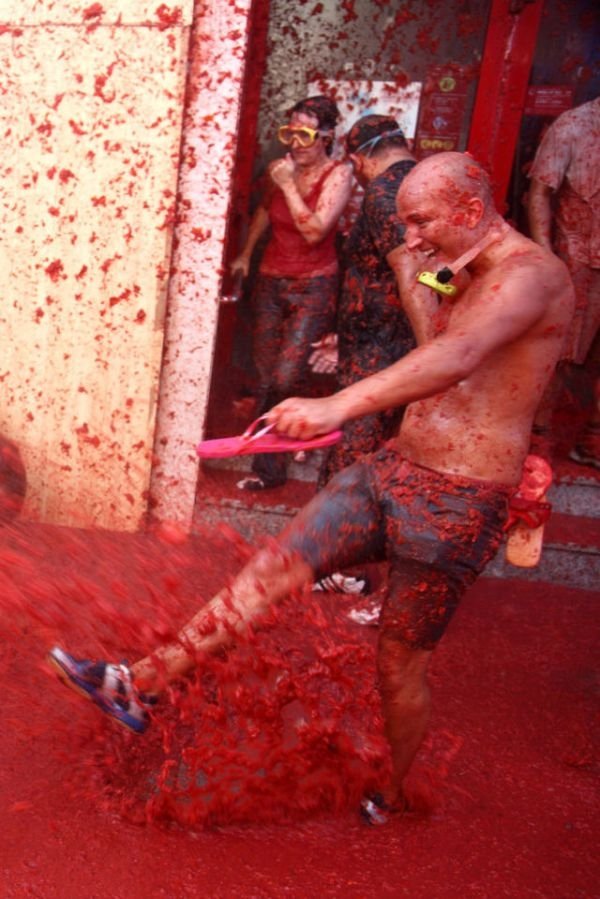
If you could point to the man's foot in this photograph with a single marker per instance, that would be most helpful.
(256, 483)
(374, 810)
(110, 687)
(343, 583)
(367, 614)
(582, 458)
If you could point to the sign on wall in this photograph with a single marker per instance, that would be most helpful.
(548, 100)
(443, 104)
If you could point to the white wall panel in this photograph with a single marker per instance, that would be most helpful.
(90, 121)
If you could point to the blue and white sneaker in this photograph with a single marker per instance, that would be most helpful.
(109, 686)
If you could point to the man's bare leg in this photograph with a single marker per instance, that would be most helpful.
(268, 578)
(406, 705)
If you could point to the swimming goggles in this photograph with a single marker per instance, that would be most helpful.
(302, 133)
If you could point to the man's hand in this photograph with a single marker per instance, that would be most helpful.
(240, 265)
(324, 359)
(305, 418)
(407, 264)
(282, 171)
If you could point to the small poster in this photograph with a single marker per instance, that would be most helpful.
(548, 100)
(442, 113)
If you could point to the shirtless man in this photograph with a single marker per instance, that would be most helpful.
(433, 500)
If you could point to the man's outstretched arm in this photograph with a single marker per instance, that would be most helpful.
(492, 322)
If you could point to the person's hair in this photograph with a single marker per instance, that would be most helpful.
(374, 134)
(478, 179)
(324, 110)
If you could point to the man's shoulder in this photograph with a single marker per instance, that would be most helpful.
(381, 191)
(570, 124)
(524, 268)
(523, 254)
(582, 113)
(529, 272)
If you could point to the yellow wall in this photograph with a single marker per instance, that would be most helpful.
(90, 117)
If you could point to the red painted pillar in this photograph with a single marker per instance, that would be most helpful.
(238, 215)
(258, 26)
(507, 57)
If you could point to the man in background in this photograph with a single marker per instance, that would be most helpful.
(564, 217)
(373, 329)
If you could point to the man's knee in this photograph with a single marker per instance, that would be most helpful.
(275, 562)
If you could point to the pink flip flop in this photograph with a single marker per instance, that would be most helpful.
(261, 440)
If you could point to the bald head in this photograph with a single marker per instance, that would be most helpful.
(454, 178)
(446, 204)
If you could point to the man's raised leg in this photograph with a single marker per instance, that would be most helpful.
(125, 694)
(270, 576)
(338, 525)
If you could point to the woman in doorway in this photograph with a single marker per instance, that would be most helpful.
(295, 295)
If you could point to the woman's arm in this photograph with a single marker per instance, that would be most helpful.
(314, 225)
(258, 225)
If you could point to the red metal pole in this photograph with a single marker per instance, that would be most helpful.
(258, 26)
(504, 77)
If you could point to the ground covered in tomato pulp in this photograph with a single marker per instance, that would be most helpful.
(247, 783)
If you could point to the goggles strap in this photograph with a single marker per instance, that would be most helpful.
(373, 141)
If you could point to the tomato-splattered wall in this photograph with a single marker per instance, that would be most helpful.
(366, 40)
(218, 56)
(92, 111)
(106, 157)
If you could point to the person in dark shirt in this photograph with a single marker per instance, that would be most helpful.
(373, 329)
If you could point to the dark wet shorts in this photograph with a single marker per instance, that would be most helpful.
(437, 532)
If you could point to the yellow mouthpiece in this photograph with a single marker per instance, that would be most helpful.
(429, 279)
